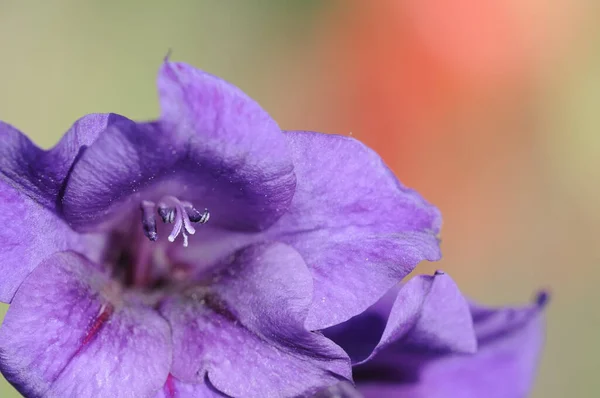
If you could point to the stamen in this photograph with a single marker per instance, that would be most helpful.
(195, 216)
(149, 220)
(172, 211)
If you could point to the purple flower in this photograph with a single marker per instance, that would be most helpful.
(425, 340)
(195, 255)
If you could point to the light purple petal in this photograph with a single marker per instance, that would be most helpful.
(31, 183)
(427, 314)
(213, 147)
(29, 234)
(510, 342)
(175, 388)
(430, 314)
(358, 229)
(69, 334)
(245, 329)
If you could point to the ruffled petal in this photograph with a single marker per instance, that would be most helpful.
(69, 334)
(31, 183)
(213, 147)
(244, 330)
(510, 342)
(428, 314)
(358, 229)
(175, 388)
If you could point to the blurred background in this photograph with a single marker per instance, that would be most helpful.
(489, 108)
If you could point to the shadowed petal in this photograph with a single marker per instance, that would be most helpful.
(31, 183)
(246, 331)
(68, 334)
(358, 229)
(213, 146)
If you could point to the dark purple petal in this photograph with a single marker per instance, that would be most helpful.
(40, 174)
(510, 342)
(245, 330)
(69, 334)
(175, 388)
(427, 314)
(358, 229)
(213, 147)
(31, 182)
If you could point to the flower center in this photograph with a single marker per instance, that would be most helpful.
(146, 261)
(172, 211)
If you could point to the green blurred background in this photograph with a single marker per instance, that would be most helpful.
(489, 108)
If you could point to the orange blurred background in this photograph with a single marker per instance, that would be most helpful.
(489, 108)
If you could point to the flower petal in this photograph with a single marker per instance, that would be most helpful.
(358, 229)
(246, 331)
(213, 147)
(236, 133)
(30, 233)
(427, 314)
(430, 314)
(31, 181)
(509, 339)
(67, 334)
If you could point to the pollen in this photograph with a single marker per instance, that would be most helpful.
(172, 211)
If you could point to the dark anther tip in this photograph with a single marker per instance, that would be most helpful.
(167, 214)
(163, 212)
(196, 217)
(205, 216)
